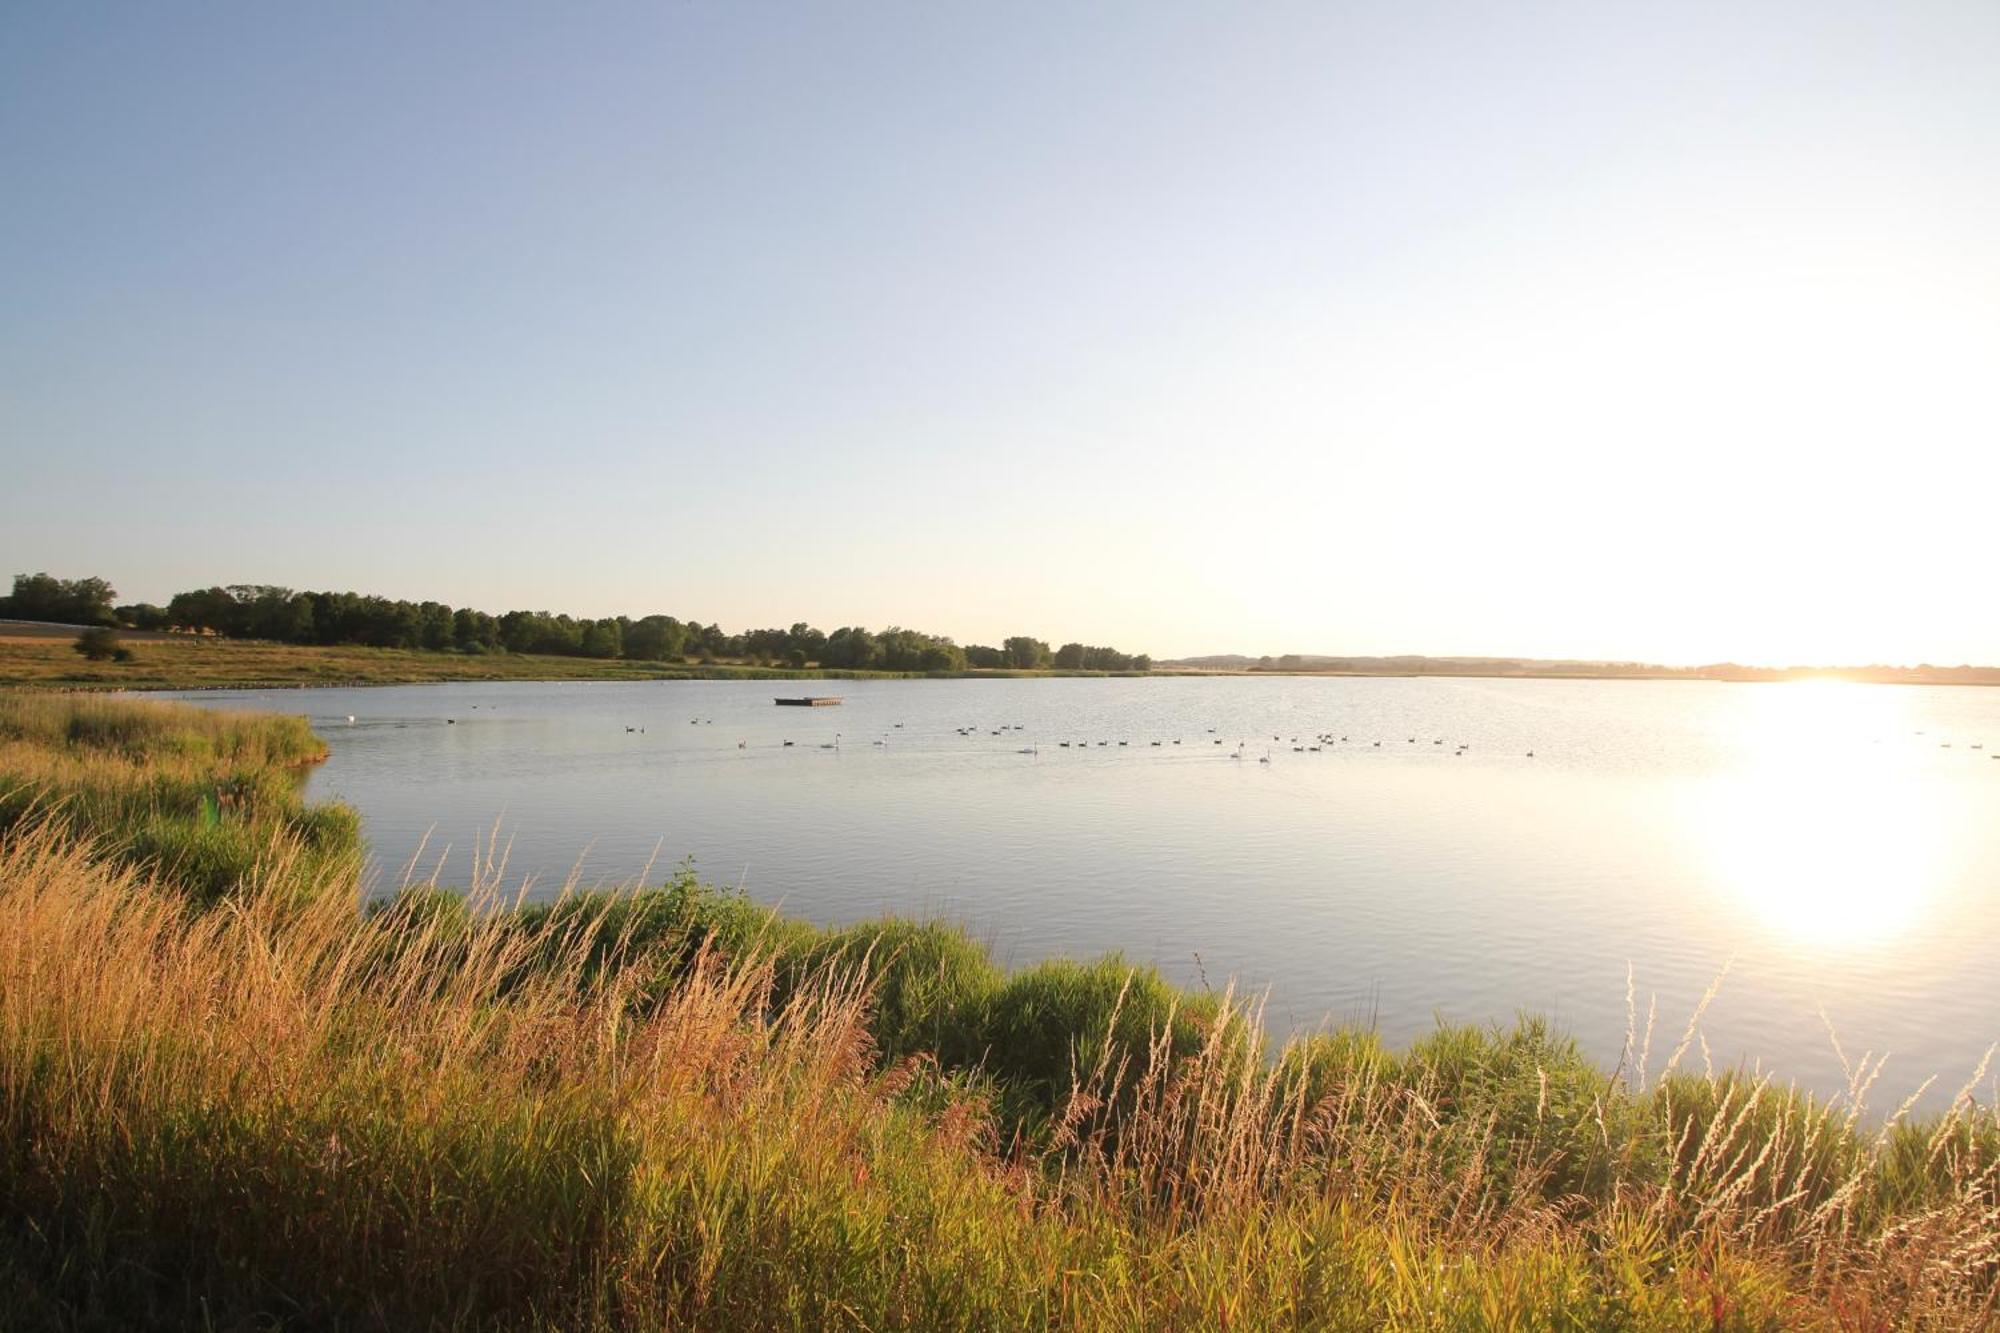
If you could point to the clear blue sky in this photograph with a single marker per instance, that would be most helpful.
(1663, 331)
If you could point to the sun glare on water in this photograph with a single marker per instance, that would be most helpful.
(1822, 833)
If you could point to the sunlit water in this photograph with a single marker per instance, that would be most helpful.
(1835, 847)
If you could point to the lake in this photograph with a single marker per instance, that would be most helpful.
(1462, 849)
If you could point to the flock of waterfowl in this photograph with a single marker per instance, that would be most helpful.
(1976, 745)
(1314, 744)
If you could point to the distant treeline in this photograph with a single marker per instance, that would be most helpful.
(263, 611)
(1561, 668)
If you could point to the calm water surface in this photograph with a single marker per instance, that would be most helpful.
(1835, 847)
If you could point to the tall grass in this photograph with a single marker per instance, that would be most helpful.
(203, 799)
(669, 1110)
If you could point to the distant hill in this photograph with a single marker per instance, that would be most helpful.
(1539, 667)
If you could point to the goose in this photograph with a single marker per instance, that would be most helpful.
(743, 745)
(1266, 759)
(833, 744)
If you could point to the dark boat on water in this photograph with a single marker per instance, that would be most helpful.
(810, 701)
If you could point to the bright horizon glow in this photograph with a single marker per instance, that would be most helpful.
(1569, 331)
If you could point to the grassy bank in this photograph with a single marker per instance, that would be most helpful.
(45, 660)
(668, 1109)
(200, 800)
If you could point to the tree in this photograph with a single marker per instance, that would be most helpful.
(600, 638)
(473, 631)
(850, 647)
(207, 609)
(1069, 657)
(1026, 653)
(655, 639)
(142, 616)
(65, 601)
(434, 626)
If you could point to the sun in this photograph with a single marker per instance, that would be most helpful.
(1821, 832)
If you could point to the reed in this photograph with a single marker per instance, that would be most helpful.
(202, 799)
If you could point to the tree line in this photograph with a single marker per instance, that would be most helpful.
(265, 611)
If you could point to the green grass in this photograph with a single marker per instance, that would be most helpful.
(205, 801)
(671, 1109)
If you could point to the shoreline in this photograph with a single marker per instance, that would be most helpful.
(43, 659)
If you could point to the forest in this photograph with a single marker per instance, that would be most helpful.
(281, 615)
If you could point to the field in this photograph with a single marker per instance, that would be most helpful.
(42, 658)
(235, 1096)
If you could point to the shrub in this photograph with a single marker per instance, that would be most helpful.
(100, 644)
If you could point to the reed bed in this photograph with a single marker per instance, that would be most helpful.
(203, 799)
(668, 1110)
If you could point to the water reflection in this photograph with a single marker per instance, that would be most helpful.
(1822, 833)
(1849, 864)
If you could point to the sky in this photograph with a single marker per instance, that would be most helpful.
(1663, 332)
